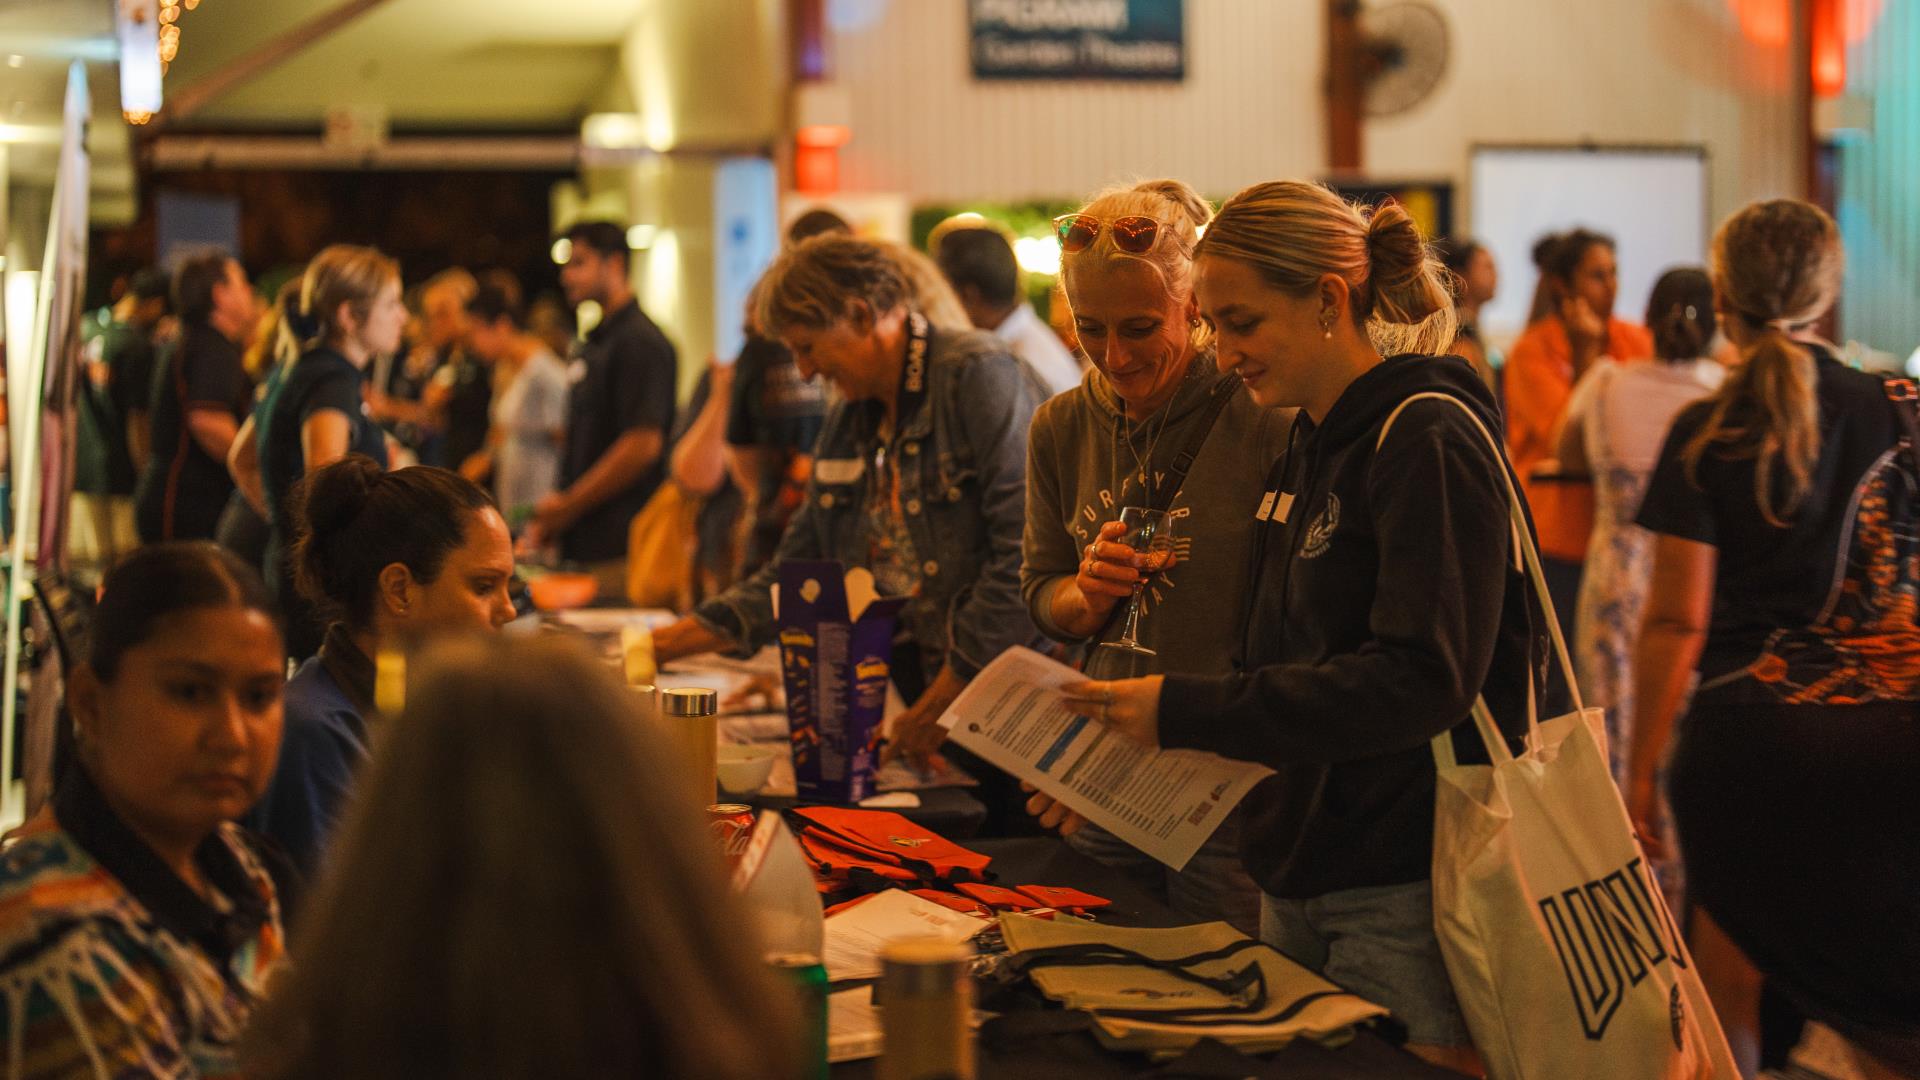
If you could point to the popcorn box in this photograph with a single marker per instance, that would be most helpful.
(836, 644)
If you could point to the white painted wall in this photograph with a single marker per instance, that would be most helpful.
(1638, 71)
(1248, 110)
(1622, 71)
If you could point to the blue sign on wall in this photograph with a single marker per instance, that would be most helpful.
(1079, 39)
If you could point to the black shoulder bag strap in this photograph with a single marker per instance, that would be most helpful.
(1177, 470)
(1182, 463)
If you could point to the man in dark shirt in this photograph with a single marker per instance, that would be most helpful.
(200, 396)
(624, 379)
(112, 441)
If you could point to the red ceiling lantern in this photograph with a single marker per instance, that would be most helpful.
(816, 158)
(822, 124)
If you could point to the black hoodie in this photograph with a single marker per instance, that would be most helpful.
(1385, 599)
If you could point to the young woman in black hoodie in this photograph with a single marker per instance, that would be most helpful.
(1386, 594)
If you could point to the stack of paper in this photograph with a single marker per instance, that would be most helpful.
(856, 936)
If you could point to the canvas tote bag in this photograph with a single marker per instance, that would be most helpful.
(1564, 957)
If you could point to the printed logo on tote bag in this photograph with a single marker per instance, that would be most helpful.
(1610, 935)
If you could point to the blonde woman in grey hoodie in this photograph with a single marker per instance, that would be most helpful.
(1154, 424)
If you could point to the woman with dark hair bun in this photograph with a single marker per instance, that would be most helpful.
(137, 922)
(389, 557)
(1616, 420)
(350, 302)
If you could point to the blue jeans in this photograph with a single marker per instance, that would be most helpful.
(1378, 943)
(1214, 887)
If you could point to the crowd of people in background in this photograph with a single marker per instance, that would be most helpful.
(349, 469)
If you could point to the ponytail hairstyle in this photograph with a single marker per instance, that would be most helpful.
(1776, 270)
(355, 519)
(1680, 314)
(1294, 232)
(292, 326)
(1183, 216)
(342, 274)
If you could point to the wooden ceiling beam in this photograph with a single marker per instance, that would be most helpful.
(270, 54)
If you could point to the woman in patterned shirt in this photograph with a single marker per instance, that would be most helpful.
(137, 922)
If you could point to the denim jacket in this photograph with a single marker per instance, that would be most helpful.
(962, 461)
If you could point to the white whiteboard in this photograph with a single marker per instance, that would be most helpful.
(1653, 202)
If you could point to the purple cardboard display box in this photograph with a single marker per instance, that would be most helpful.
(836, 672)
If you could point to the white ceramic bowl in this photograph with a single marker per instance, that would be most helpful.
(744, 769)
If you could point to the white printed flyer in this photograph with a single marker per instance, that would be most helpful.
(1163, 802)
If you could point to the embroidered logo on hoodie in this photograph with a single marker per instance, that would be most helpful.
(1320, 533)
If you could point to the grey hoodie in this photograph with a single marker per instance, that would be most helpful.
(1080, 472)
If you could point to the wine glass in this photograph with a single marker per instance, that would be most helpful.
(1150, 533)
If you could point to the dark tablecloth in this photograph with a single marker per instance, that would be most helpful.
(1034, 1040)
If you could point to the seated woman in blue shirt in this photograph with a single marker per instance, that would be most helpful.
(390, 557)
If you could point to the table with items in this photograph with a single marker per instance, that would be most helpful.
(1075, 971)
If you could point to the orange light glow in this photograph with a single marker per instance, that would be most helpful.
(828, 135)
(1829, 49)
(1770, 22)
(816, 169)
(1836, 25)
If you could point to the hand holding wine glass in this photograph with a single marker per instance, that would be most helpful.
(1149, 533)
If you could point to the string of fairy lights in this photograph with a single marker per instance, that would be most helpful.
(170, 14)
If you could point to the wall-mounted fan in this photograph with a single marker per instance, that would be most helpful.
(1403, 51)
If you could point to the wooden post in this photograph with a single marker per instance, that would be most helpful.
(1346, 86)
(1801, 79)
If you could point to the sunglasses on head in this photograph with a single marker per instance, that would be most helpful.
(1133, 234)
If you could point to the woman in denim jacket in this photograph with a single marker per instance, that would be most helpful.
(919, 476)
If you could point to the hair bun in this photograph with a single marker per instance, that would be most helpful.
(1181, 194)
(1544, 250)
(333, 496)
(1394, 243)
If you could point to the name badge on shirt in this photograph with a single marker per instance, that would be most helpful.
(1276, 507)
(838, 470)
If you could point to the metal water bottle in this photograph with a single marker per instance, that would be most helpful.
(926, 1005)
